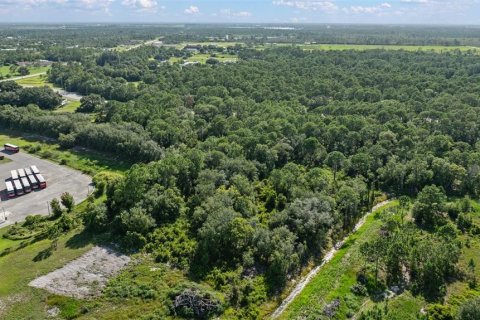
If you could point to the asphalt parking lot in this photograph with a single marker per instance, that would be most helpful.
(59, 179)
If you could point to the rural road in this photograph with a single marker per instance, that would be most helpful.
(65, 94)
(328, 256)
(23, 77)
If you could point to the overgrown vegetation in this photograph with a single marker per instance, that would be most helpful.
(246, 173)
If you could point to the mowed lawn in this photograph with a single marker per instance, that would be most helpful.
(4, 70)
(37, 81)
(69, 107)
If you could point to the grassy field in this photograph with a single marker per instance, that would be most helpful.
(337, 276)
(6, 243)
(220, 44)
(202, 58)
(18, 268)
(341, 47)
(87, 161)
(70, 107)
(4, 70)
(37, 81)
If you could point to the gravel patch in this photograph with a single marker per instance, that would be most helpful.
(83, 277)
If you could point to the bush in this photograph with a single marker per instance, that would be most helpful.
(470, 310)
(95, 217)
(56, 208)
(66, 141)
(67, 201)
(130, 290)
(133, 240)
(359, 289)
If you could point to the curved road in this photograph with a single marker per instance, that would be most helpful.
(65, 94)
(328, 256)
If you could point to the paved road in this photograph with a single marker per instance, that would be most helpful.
(23, 77)
(68, 95)
(59, 179)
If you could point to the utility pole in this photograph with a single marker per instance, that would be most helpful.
(48, 207)
(4, 215)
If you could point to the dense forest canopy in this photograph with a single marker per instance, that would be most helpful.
(245, 172)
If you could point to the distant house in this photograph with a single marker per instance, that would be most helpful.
(192, 48)
(40, 63)
(157, 43)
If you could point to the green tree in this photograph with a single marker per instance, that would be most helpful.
(23, 71)
(90, 103)
(335, 160)
(470, 310)
(56, 208)
(67, 201)
(429, 209)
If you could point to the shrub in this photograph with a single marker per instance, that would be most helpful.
(359, 289)
(56, 208)
(67, 201)
(470, 310)
(95, 217)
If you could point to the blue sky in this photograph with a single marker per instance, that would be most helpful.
(243, 11)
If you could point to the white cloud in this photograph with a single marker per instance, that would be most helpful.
(243, 14)
(379, 9)
(192, 10)
(92, 6)
(142, 5)
(313, 5)
(31, 3)
(231, 13)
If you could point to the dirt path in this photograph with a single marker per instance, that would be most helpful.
(328, 256)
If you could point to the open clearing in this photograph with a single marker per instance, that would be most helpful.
(59, 178)
(4, 70)
(83, 277)
(34, 81)
(337, 276)
(363, 47)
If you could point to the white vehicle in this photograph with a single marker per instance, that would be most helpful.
(14, 174)
(21, 173)
(18, 187)
(26, 185)
(10, 189)
(35, 169)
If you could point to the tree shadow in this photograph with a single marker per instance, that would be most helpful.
(44, 254)
(85, 238)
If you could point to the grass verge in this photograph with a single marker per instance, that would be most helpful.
(87, 161)
(337, 276)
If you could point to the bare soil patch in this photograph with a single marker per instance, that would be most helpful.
(85, 276)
